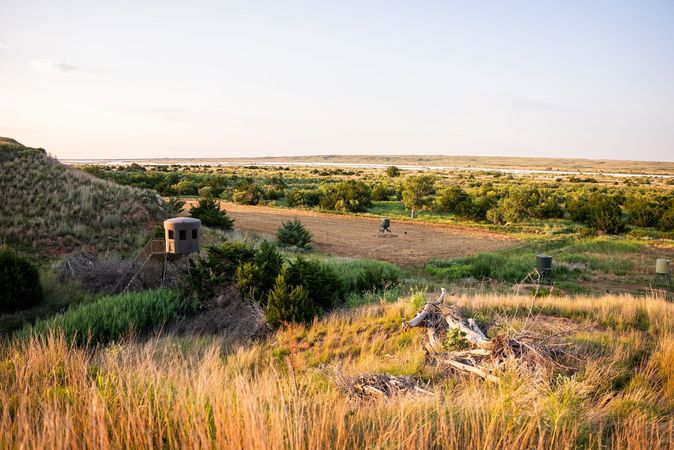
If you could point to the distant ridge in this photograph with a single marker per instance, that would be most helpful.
(49, 208)
(440, 162)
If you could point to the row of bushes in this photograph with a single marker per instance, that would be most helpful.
(288, 289)
(607, 211)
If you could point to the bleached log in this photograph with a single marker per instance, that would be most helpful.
(419, 318)
(473, 326)
(471, 353)
(473, 370)
(473, 334)
(428, 308)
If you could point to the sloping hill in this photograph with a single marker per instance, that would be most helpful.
(49, 208)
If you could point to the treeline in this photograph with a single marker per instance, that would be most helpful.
(605, 209)
(602, 209)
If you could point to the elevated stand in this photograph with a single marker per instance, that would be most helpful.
(146, 266)
(663, 278)
(180, 264)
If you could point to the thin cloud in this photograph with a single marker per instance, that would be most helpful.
(3, 45)
(54, 67)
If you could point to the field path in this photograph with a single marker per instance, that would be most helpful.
(345, 235)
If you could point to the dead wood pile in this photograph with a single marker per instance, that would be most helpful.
(95, 274)
(522, 350)
(381, 385)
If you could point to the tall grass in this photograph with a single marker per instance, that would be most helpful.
(112, 317)
(278, 393)
(361, 275)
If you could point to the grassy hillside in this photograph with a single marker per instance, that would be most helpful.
(49, 208)
(614, 389)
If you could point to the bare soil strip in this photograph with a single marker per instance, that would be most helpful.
(410, 243)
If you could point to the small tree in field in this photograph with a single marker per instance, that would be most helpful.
(392, 171)
(454, 200)
(293, 234)
(286, 303)
(667, 220)
(209, 212)
(257, 277)
(418, 193)
(174, 206)
(600, 212)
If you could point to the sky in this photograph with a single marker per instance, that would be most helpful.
(145, 79)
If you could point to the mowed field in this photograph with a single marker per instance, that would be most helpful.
(410, 243)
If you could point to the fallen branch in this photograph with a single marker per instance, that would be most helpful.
(472, 369)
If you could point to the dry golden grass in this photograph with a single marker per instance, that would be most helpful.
(184, 392)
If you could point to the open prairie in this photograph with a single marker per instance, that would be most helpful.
(409, 243)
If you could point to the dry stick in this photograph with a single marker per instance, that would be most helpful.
(426, 311)
(473, 370)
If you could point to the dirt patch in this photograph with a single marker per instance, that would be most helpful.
(414, 243)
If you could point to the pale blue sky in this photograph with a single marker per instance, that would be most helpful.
(120, 79)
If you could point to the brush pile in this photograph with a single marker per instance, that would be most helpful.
(380, 385)
(458, 345)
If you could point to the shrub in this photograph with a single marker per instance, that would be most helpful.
(293, 234)
(454, 200)
(643, 211)
(247, 193)
(257, 277)
(209, 212)
(348, 195)
(295, 197)
(667, 220)
(320, 281)
(393, 171)
(217, 269)
(548, 206)
(303, 197)
(600, 212)
(20, 286)
(383, 192)
(482, 203)
(511, 209)
(111, 317)
(287, 303)
(174, 206)
(605, 215)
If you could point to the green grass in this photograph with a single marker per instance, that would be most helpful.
(356, 299)
(577, 262)
(112, 317)
(362, 275)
